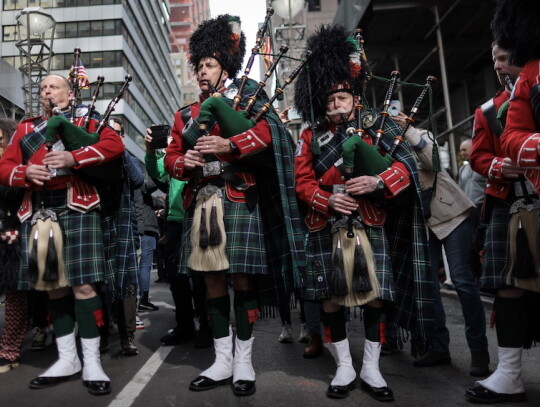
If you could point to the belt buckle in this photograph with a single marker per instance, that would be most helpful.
(338, 188)
(212, 168)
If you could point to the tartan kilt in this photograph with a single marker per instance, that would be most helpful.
(83, 241)
(245, 245)
(317, 278)
(120, 254)
(496, 256)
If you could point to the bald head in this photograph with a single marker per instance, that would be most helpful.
(465, 149)
(55, 89)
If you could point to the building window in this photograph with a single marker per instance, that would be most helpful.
(71, 30)
(314, 5)
(9, 33)
(20, 4)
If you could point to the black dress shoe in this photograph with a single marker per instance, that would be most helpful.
(97, 387)
(378, 393)
(482, 395)
(43, 382)
(202, 383)
(243, 387)
(339, 392)
(177, 337)
(432, 358)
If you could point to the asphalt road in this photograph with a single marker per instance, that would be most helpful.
(159, 376)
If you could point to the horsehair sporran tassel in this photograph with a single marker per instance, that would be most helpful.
(339, 279)
(215, 232)
(210, 257)
(203, 229)
(33, 270)
(51, 263)
(524, 266)
(46, 251)
(360, 283)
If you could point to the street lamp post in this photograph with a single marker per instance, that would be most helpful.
(35, 54)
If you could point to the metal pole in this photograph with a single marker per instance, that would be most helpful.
(446, 94)
(400, 89)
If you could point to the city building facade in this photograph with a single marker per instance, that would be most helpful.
(116, 38)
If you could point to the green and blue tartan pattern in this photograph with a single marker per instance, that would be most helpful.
(408, 242)
(277, 201)
(319, 247)
(83, 240)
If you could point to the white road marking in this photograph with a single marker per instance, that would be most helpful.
(132, 390)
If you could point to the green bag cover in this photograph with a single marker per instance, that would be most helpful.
(73, 137)
(231, 122)
(363, 158)
(501, 113)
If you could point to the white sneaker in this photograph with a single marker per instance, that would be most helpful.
(305, 335)
(138, 323)
(286, 334)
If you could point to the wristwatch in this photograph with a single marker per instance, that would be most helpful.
(380, 183)
(233, 147)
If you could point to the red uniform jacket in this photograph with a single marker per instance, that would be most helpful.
(83, 195)
(487, 153)
(308, 187)
(520, 137)
(255, 140)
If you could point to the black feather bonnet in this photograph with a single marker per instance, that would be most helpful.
(336, 65)
(516, 29)
(220, 38)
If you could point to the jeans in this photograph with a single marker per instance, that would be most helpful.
(148, 245)
(457, 246)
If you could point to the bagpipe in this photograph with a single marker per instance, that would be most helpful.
(74, 137)
(354, 281)
(46, 268)
(233, 121)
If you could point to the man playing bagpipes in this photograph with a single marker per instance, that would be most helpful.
(61, 238)
(511, 160)
(241, 215)
(348, 253)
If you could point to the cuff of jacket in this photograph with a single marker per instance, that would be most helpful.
(320, 201)
(248, 143)
(528, 154)
(178, 169)
(396, 179)
(495, 171)
(18, 177)
(87, 156)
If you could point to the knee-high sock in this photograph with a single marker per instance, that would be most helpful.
(375, 324)
(246, 311)
(15, 325)
(219, 310)
(62, 315)
(334, 325)
(510, 321)
(89, 316)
